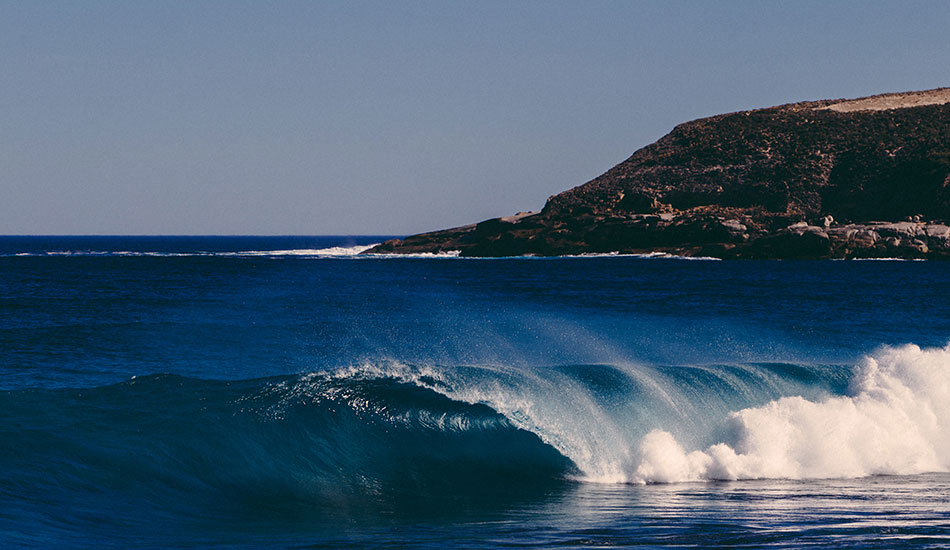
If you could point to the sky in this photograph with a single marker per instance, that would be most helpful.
(391, 118)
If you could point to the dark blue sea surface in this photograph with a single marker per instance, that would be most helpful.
(284, 392)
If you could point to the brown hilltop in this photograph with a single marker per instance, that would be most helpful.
(831, 178)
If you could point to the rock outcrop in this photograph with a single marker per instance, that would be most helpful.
(868, 177)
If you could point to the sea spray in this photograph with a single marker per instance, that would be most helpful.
(894, 419)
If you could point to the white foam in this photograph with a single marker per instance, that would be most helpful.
(895, 419)
(616, 254)
(457, 254)
(333, 251)
(889, 259)
(444, 254)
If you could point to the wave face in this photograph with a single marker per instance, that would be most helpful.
(328, 441)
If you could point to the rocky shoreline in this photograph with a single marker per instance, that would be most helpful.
(865, 178)
(692, 236)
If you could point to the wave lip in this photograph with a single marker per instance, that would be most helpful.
(894, 419)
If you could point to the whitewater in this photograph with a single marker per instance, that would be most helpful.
(894, 419)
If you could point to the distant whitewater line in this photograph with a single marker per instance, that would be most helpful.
(331, 252)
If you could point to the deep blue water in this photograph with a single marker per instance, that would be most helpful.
(282, 392)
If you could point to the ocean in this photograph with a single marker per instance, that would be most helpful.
(285, 392)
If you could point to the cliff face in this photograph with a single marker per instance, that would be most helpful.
(866, 177)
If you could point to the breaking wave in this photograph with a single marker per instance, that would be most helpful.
(374, 434)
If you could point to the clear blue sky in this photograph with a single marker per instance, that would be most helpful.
(394, 117)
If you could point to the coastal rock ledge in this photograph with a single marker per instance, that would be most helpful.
(861, 178)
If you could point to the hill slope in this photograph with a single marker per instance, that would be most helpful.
(868, 177)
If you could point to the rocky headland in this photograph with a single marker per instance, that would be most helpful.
(860, 178)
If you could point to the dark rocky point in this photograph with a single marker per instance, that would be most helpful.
(826, 179)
